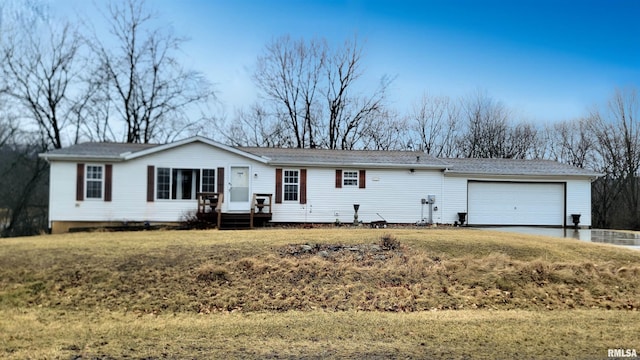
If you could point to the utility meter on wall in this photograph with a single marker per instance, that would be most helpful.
(431, 199)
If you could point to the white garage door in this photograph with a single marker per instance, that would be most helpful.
(508, 203)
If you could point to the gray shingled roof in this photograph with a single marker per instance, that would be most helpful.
(369, 158)
(513, 167)
(280, 156)
(98, 150)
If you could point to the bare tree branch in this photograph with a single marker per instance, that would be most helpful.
(434, 120)
(310, 92)
(148, 88)
(40, 74)
(616, 132)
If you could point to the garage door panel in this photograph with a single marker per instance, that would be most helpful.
(509, 203)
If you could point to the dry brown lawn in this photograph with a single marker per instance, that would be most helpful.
(315, 293)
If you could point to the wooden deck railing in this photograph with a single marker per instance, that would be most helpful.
(209, 202)
(260, 206)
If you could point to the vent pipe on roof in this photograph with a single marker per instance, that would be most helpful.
(418, 158)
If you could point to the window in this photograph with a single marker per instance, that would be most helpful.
(164, 183)
(208, 180)
(350, 178)
(94, 182)
(291, 185)
(183, 184)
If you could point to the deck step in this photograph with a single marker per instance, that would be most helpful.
(232, 221)
(235, 221)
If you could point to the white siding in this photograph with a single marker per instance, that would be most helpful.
(129, 202)
(579, 201)
(455, 198)
(394, 194)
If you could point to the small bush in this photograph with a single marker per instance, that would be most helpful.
(389, 242)
(211, 273)
(190, 221)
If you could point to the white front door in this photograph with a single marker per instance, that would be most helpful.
(239, 187)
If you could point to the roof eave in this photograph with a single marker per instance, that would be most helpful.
(133, 155)
(358, 165)
(529, 176)
(75, 157)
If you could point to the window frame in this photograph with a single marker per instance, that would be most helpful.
(88, 180)
(285, 177)
(211, 182)
(353, 180)
(164, 183)
(197, 182)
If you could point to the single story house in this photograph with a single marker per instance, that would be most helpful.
(97, 184)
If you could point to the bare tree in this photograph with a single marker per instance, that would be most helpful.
(490, 133)
(309, 90)
(571, 142)
(39, 64)
(149, 89)
(434, 121)
(288, 76)
(486, 127)
(8, 129)
(522, 141)
(350, 113)
(616, 132)
(255, 127)
(40, 71)
(387, 131)
(23, 189)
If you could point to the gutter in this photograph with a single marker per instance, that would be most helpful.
(59, 157)
(589, 176)
(362, 165)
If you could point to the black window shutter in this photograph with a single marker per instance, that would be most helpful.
(278, 186)
(80, 182)
(362, 181)
(220, 184)
(108, 181)
(150, 183)
(303, 186)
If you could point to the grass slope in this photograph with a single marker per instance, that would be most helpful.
(315, 293)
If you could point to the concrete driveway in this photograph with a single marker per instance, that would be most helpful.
(622, 238)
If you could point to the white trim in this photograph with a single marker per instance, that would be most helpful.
(238, 205)
(194, 189)
(80, 158)
(215, 179)
(159, 148)
(318, 164)
(284, 183)
(86, 182)
(357, 178)
(523, 177)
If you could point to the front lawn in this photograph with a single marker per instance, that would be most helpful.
(315, 293)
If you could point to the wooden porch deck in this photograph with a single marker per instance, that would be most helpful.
(210, 210)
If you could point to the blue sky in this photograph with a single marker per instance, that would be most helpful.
(548, 60)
